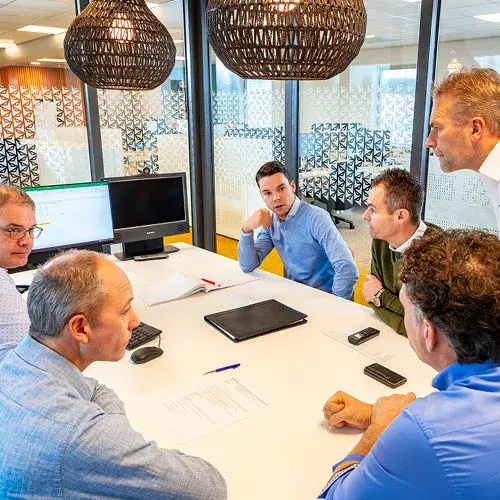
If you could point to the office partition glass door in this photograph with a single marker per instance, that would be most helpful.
(469, 36)
(249, 130)
(146, 132)
(359, 123)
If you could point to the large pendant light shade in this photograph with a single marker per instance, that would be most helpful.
(286, 39)
(119, 44)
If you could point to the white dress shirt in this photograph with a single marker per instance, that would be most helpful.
(14, 319)
(490, 172)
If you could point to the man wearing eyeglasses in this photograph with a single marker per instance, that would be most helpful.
(17, 231)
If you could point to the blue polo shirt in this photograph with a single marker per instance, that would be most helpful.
(443, 446)
(310, 246)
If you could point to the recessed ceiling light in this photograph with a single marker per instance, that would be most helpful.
(51, 59)
(178, 41)
(180, 58)
(5, 44)
(369, 36)
(152, 5)
(35, 63)
(42, 29)
(492, 18)
(411, 1)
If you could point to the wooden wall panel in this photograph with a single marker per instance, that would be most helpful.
(36, 76)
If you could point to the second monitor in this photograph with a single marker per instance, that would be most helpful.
(145, 209)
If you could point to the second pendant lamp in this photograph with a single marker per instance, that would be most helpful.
(286, 39)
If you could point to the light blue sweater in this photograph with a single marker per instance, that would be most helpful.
(310, 247)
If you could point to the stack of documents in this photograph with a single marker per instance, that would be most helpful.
(178, 285)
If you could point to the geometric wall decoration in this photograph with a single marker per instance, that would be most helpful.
(18, 163)
(333, 159)
(248, 132)
(29, 117)
(141, 118)
(346, 134)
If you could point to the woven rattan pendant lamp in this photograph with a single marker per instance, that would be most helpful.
(119, 44)
(286, 39)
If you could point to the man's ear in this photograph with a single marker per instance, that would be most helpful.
(292, 183)
(402, 215)
(80, 328)
(478, 128)
(431, 336)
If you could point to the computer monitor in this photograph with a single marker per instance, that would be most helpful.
(147, 208)
(72, 216)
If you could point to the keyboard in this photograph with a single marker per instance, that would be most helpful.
(142, 334)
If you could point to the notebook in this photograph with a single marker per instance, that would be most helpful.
(178, 285)
(255, 319)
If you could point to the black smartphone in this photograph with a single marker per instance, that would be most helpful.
(384, 375)
(363, 335)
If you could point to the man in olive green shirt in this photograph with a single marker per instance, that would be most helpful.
(393, 216)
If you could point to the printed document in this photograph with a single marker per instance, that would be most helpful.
(198, 413)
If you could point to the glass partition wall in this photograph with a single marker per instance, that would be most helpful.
(468, 36)
(249, 130)
(360, 122)
(43, 136)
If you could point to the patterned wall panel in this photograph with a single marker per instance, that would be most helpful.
(142, 118)
(346, 133)
(18, 163)
(248, 131)
(42, 121)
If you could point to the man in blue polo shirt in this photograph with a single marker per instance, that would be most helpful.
(447, 444)
(310, 246)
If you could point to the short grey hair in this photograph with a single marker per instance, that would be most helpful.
(66, 285)
(12, 194)
(476, 92)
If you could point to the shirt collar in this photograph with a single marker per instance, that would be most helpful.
(292, 212)
(421, 229)
(47, 360)
(491, 166)
(454, 372)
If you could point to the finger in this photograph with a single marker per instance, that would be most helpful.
(411, 397)
(336, 421)
(331, 408)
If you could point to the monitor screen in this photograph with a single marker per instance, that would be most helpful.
(72, 215)
(146, 201)
(147, 208)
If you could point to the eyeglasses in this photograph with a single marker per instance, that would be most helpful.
(19, 234)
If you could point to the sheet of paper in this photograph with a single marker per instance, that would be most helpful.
(198, 413)
(376, 349)
(173, 287)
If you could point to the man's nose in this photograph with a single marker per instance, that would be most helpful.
(430, 142)
(365, 215)
(25, 240)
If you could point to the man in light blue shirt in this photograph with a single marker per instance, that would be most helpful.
(310, 246)
(447, 444)
(65, 435)
(17, 230)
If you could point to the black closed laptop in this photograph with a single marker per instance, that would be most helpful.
(255, 319)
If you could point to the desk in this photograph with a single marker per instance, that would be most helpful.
(286, 450)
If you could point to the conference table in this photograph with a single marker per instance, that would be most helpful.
(284, 450)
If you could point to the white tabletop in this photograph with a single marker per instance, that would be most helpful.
(285, 450)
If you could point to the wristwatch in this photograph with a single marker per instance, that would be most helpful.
(377, 298)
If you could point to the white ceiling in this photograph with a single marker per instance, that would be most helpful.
(392, 22)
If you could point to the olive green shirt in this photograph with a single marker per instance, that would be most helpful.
(385, 266)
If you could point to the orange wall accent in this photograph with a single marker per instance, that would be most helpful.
(32, 76)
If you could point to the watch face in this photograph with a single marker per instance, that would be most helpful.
(376, 301)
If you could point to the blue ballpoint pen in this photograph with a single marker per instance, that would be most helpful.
(222, 368)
